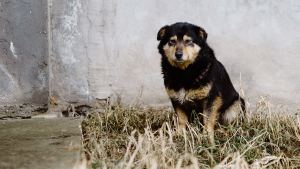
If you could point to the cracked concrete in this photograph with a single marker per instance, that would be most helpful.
(39, 143)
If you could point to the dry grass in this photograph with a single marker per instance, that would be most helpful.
(132, 137)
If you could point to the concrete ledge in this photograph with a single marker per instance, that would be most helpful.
(39, 143)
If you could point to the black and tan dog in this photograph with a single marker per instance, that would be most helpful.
(194, 79)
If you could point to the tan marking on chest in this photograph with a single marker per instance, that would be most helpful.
(189, 95)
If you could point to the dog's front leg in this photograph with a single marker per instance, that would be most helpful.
(211, 115)
(182, 119)
(209, 120)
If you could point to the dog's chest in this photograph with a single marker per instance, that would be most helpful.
(191, 95)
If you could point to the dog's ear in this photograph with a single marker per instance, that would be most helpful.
(161, 32)
(201, 32)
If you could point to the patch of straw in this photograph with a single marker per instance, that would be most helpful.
(145, 137)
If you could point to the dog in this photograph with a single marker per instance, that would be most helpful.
(195, 80)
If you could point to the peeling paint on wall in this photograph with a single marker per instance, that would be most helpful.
(68, 34)
(7, 74)
(69, 62)
(42, 77)
(12, 49)
(10, 89)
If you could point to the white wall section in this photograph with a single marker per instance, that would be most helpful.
(99, 49)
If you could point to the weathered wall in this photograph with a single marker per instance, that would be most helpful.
(23, 53)
(258, 39)
(68, 59)
(108, 48)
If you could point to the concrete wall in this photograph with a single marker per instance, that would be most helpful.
(258, 39)
(23, 53)
(108, 48)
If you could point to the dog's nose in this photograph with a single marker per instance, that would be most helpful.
(178, 55)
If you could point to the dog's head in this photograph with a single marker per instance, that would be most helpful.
(181, 43)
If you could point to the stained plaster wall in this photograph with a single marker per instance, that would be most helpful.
(23, 55)
(118, 48)
(108, 48)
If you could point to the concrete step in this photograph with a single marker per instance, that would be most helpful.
(39, 143)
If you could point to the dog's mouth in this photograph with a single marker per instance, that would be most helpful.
(179, 60)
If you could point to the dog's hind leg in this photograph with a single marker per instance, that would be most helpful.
(232, 113)
(211, 115)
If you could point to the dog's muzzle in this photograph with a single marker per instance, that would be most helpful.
(178, 55)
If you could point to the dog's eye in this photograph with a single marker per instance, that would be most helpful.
(188, 41)
(172, 41)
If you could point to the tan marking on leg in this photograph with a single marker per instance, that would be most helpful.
(182, 119)
(211, 117)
